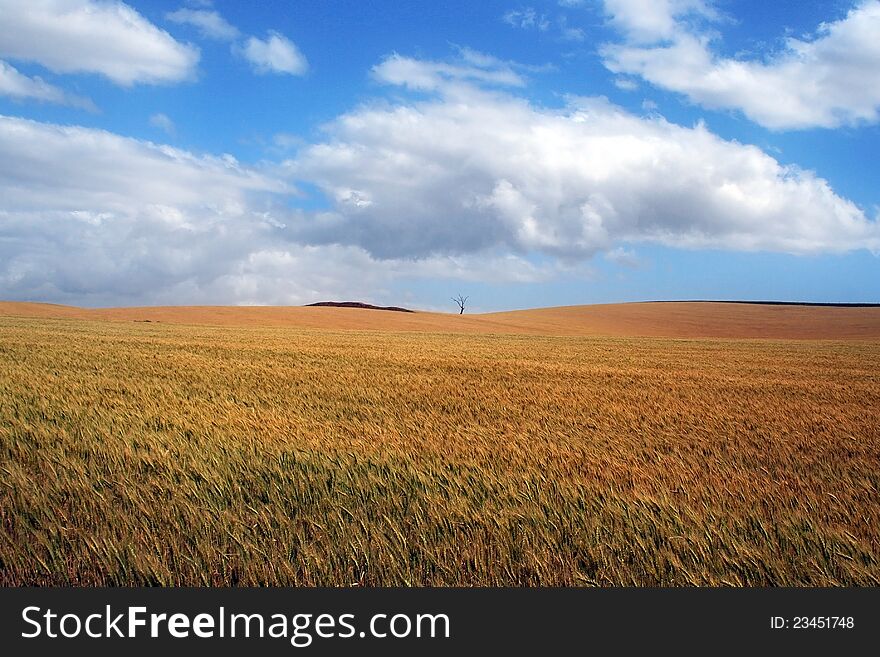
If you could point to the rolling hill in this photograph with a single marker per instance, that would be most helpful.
(650, 319)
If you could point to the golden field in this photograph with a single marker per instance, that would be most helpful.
(670, 320)
(371, 448)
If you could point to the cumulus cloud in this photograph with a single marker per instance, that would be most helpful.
(90, 217)
(471, 169)
(209, 23)
(109, 38)
(828, 79)
(100, 172)
(17, 86)
(460, 180)
(275, 54)
(655, 20)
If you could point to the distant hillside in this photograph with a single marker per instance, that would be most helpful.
(819, 304)
(356, 304)
(668, 320)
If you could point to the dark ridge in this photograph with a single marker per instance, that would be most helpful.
(358, 304)
(781, 303)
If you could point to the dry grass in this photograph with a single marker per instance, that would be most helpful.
(156, 454)
(671, 320)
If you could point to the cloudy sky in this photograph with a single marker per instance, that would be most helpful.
(526, 154)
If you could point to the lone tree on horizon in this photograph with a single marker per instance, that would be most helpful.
(460, 301)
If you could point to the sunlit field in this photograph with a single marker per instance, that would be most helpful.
(139, 453)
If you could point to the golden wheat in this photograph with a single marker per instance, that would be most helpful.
(668, 320)
(135, 453)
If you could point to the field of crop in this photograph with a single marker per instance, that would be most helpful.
(143, 453)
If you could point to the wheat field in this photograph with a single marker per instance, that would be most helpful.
(136, 453)
(668, 320)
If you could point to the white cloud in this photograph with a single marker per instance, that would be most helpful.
(109, 38)
(99, 172)
(470, 170)
(163, 122)
(624, 257)
(466, 183)
(90, 217)
(277, 54)
(527, 19)
(829, 79)
(626, 84)
(431, 76)
(568, 33)
(21, 87)
(655, 20)
(491, 267)
(210, 24)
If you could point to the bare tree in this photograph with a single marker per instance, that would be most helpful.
(460, 301)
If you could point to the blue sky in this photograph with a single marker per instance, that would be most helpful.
(527, 154)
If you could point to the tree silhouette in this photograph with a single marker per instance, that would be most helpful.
(460, 301)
